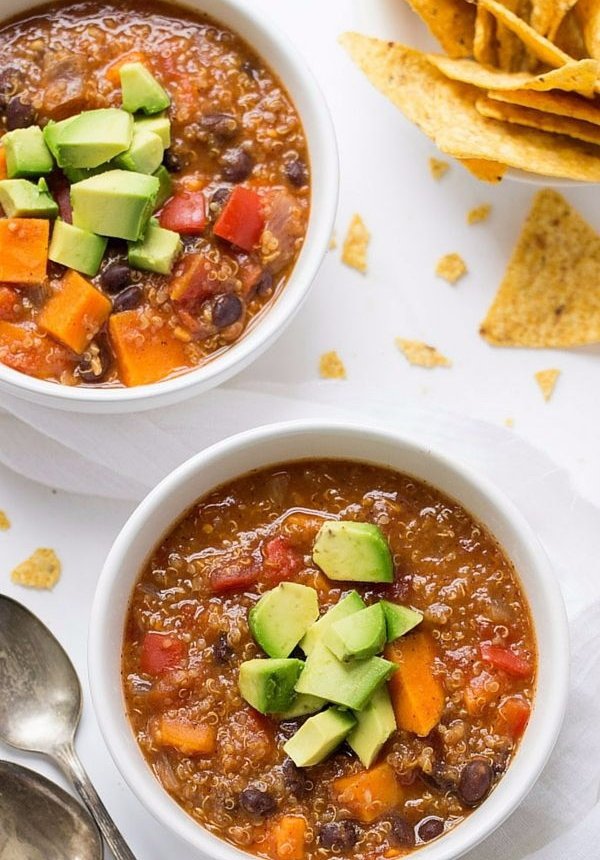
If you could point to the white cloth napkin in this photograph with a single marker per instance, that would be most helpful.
(123, 456)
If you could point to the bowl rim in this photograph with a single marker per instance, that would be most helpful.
(299, 80)
(543, 729)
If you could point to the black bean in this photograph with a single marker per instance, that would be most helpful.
(257, 802)
(221, 195)
(294, 779)
(430, 828)
(222, 125)
(222, 650)
(475, 781)
(402, 832)
(115, 278)
(295, 172)
(439, 779)
(265, 285)
(338, 835)
(95, 361)
(9, 79)
(226, 310)
(172, 161)
(129, 299)
(19, 114)
(236, 165)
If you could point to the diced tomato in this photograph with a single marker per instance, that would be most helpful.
(192, 283)
(513, 715)
(233, 577)
(242, 220)
(185, 213)
(161, 652)
(508, 661)
(112, 71)
(282, 561)
(250, 274)
(10, 307)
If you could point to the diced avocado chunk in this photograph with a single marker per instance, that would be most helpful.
(144, 155)
(78, 174)
(358, 636)
(399, 619)
(91, 138)
(348, 605)
(26, 153)
(302, 706)
(141, 91)
(353, 551)
(53, 131)
(117, 203)
(374, 725)
(348, 684)
(282, 616)
(76, 248)
(165, 188)
(156, 252)
(318, 737)
(23, 199)
(268, 685)
(160, 125)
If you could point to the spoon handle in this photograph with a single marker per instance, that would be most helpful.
(69, 761)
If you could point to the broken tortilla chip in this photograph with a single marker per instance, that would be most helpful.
(4, 522)
(511, 50)
(438, 168)
(550, 294)
(484, 40)
(547, 15)
(421, 354)
(331, 366)
(539, 46)
(570, 37)
(561, 104)
(479, 213)
(588, 15)
(486, 171)
(354, 251)
(445, 110)
(451, 267)
(578, 76)
(538, 119)
(40, 570)
(451, 22)
(547, 380)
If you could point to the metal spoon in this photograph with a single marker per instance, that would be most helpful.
(40, 821)
(40, 705)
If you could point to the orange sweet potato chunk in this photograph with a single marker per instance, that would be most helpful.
(417, 694)
(26, 350)
(369, 794)
(24, 250)
(76, 313)
(3, 171)
(112, 71)
(189, 738)
(144, 355)
(287, 838)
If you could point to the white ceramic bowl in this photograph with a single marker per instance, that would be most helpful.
(292, 70)
(274, 444)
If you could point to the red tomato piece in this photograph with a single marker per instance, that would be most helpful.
(161, 652)
(503, 658)
(233, 577)
(185, 213)
(242, 220)
(282, 561)
(514, 714)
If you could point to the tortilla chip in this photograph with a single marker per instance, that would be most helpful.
(438, 168)
(354, 251)
(445, 110)
(486, 171)
(547, 15)
(331, 366)
(588, 15)
(451, 267)
(550, 295)
(479, 214)
(484, 39)
(547, 380)
(578, 76)
(4, 522)
(452, 22)
(40, 570)
(421, 354)
(561, 104)
(539, 46)
(538, 119)
(511, 50)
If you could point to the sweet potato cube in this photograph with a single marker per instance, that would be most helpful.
(3, 171)
(417, 695)
(25, 349)
(75, 314)
(287, 838)
(24, 250)
(189, 738)
(144, 355)
(369, 794)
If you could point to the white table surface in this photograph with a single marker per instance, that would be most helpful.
(414, 220)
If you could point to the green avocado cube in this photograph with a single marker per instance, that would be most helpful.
(347, 550)
(165, 189)
(78, 174)
(358, 636)
(159, 124)
(27, 153)
(268, 685)
(23, 199)
(318, 737)
(76, 248)
(348, 605)
(302, 706)
(282, 616)
(117, 204)
(91, 138)
(348, 684)
(157, 252)
(144, 155)
(399, 619)
(141, 91)
(374, 725)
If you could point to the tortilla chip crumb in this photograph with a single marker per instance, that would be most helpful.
(509, 422)
(438, 168)
(479, 213)
(331, 366)
(354, 252)
(333, 242)
(547, 380)
(451, 268)
(421, 354)
(40, 570)
(4, 522)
